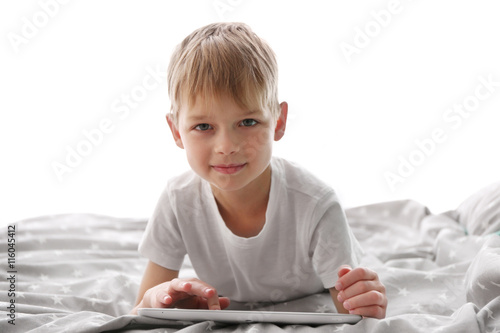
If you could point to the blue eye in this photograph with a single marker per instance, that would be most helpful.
(203, 127)
(249, 122)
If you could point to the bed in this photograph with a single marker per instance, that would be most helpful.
(81, 272)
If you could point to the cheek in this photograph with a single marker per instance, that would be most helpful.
(257, 144)
(195, 150)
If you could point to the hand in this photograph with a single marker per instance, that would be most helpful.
(184, 293)
(361, 292)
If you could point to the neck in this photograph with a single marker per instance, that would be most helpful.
(247, 201)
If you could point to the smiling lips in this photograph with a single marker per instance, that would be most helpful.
(228, 169)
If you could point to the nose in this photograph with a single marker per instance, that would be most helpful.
(226, 142)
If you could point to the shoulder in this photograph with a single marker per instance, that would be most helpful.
(184, 181)
(300, 181)
(181, 186)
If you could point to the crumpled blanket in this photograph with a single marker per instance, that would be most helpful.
(81, 272)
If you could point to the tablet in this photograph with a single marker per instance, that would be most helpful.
(234, 316)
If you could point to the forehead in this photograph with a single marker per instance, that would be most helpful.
(224, 105)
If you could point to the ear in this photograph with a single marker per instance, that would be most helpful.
(281, 123)
(175, 131)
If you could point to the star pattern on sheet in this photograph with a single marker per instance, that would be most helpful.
(125, 303)
(65, 289)
(54, 317)
(27, 255)
(489, 312)
(252, 305)
(77, 273)
(416, 307)
(403, 291)
(99, 319)
(252, 329)
(322, 308)
(340, 328)
(57, 300)
(443, 296)
(93, 301)
(51, 323)
(210, 325)
(452, 255)
(128, 283)
(430, 276)
(34, 287)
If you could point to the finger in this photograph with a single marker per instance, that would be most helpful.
(343, 270)
(207, 292)
(180, 290)
(370, 311)
(177, 290)
(192, 302)
(360, 287)
(162, 300)
(224, 302)
(368, 299)
(196, 302)
(212, 299)
(357, 274)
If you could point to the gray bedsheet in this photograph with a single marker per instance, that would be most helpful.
(81, 272)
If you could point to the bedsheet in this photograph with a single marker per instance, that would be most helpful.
(81, 272)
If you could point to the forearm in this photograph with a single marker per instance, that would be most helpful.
(154, 275)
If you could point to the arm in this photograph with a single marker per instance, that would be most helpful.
(153, 276)
(359, 291)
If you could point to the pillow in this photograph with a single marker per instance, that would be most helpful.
(480, 213)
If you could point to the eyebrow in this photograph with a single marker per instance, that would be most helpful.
(198, 117)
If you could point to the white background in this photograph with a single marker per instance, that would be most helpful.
(351, 118)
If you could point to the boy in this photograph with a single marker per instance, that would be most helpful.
(257, 228)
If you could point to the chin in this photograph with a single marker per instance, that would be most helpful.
(227, 185)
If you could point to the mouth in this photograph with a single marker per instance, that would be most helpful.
(228, 169)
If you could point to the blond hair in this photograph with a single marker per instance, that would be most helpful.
(220, 59)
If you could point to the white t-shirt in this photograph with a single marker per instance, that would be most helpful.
(298, 251)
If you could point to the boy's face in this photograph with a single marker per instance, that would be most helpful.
(227, 145)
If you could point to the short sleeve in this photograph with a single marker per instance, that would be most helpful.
(333, 244)
(162, 241)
